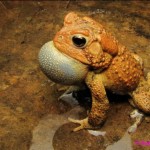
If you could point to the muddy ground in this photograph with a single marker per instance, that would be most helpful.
(26, 95)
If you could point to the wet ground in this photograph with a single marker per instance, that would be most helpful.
(26, 95)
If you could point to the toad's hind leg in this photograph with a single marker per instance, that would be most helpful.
(141, 96)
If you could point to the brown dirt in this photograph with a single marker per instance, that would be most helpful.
(26, 95)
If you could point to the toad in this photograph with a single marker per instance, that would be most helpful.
(83, 52)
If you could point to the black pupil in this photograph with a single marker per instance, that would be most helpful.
(79, 41)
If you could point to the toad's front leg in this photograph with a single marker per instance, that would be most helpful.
(100, 104)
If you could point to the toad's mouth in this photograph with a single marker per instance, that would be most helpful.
(59, 67)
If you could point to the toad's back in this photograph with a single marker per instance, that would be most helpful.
(124, 72)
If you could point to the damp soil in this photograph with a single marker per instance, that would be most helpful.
(26, 95)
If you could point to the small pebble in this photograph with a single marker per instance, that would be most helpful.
(19, 109)
(97, 133)
(147, 119)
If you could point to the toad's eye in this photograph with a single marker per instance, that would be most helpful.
(79, 41)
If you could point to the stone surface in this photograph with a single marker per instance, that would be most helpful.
(24, 27)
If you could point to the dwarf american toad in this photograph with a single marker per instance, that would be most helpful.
(87, 53)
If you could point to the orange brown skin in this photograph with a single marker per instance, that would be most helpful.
(112, 65)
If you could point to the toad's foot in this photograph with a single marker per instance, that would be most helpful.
(84, 124)
(138, 116)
